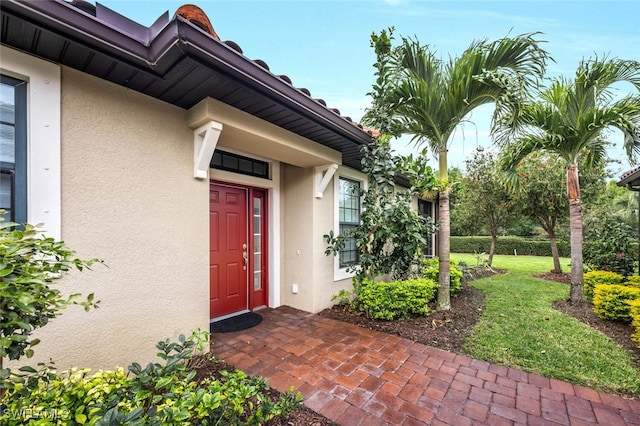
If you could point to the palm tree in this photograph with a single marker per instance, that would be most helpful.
(569, 121)
(429, 98)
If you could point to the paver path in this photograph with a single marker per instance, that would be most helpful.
(355, 376)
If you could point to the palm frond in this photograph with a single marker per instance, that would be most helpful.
(434, 96)
(570, 115)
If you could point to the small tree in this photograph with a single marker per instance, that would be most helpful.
(539, 188)
(486, 197)
(391, 234)
(30, 264)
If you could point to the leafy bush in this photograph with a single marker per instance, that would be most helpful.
(634, 312)
(608, 244)
(506, 245)
(430, 270)
(396, 299)
(30, 264)
(344, 297)
(391, 233)
(633, 281)
(593, 278)
(610, 301)
(157, 394)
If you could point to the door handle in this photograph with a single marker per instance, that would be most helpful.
(244, 258)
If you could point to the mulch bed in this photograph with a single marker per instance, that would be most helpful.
(448, 330)
(619, 332)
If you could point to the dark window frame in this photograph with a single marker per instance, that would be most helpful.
(18, 169)
(426, 210)
(349, 255)
(227, 161)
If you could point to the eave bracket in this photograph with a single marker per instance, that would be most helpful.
(205, 140)
(323, 177)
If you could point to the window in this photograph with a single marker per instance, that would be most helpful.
(13, 149)
(36, 101)
(425, 209)
(349, 218)
(239, 164)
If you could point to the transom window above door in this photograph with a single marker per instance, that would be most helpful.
(230, 162)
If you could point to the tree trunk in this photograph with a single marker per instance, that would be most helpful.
(444, 231)
(492, 249)
(575, 223)
(557, 268)
(444, 296)
(549, 225)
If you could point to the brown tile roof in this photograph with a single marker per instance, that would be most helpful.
(198, 17)
(176, 61)
(195, 15)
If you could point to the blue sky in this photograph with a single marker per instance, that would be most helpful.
(324, 45)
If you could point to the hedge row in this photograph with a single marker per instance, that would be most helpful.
(611, 301)
(508, 245)
(634, 309)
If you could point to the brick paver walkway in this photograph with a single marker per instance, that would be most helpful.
(356, 376)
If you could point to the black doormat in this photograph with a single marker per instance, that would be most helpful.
(237, 323)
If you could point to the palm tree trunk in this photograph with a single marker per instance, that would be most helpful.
(444, 231)
(575, 226)
(444, 235)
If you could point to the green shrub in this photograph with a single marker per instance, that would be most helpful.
(633, 281)
(506, 245)
(634, 312)
(608, 244)
(594, 278)
(396, 299)
(610, 301)
(30, 264)
(430, 269)
(160, 393)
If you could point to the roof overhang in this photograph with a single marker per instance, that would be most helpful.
(631, 179)
(176, 62)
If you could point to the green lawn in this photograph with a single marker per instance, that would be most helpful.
(520, 329)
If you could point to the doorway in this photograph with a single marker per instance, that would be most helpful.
(238, 255)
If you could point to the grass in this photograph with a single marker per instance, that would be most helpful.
(520, 329)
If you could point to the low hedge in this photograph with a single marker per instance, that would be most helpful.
(507, 245)
(396, 299)
(634, 311)
(610, 301)
(593, 278)
(431, 270)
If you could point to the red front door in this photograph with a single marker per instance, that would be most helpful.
(228, 251)
(238, 255)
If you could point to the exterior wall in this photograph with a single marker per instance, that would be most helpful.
(129, 198)
(328, 283)
(127, 195)
(306, 220)
(298, 249)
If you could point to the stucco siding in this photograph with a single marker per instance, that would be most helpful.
(298, 254)
(326, 286)
(129, 198)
